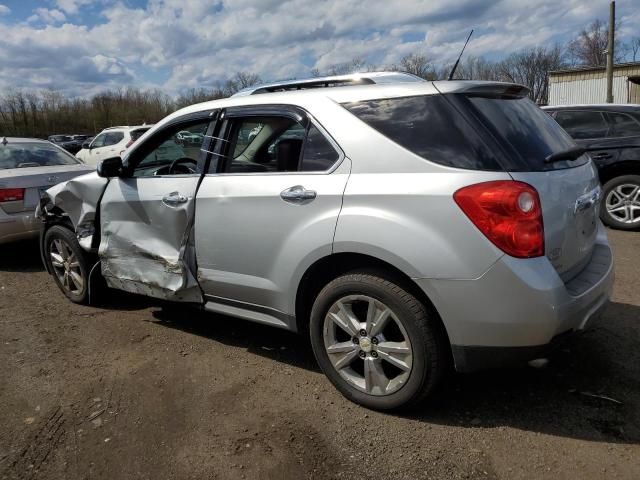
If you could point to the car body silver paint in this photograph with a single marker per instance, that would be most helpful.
(144, 242)
(569, 232)
(519, 302)
(266, 244)
(78, 198)
(396, 207)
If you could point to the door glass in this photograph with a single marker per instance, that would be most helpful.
(172, 152)
(623, 125)
(265, 144)
(99, 140)
(582, 124)
(113, 138)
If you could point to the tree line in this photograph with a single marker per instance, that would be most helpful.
(47, 112)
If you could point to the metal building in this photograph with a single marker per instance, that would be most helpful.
(586, 85)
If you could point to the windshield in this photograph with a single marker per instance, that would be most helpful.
(60, 138)
(530, 135)
(22, 155)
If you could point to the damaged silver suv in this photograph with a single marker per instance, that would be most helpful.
(404, 227)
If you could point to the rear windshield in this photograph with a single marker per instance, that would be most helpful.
(528, 134)
(23, 155)
(429, 126)
(470, 132)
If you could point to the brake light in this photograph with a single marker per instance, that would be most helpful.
(508, 213)
(129, 143)
(11, 194)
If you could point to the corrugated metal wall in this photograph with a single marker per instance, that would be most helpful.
(588, 91)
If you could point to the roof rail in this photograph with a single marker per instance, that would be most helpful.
(365, 78)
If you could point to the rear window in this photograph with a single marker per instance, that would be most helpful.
(429, 126)
(23, 155)
(528, 135)
(136, 134)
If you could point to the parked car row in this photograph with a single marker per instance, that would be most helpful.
(71, 143)
(403, 227)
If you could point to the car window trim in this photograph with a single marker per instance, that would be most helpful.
(294, 112)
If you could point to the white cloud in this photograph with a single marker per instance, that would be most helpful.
(178, 44)
(72, 6)
(4, 10)
(47, 16)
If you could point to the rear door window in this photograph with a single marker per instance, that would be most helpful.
(582, 124)
(623, 125)
(113, 138)
(429, 126)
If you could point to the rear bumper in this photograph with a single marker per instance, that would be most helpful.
(18, 226)
(516, 309)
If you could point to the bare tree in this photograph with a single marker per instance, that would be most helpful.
(418, 65)
(531, 68)
(590, 46)
(634, 48)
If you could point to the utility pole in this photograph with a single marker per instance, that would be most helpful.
(610, 51)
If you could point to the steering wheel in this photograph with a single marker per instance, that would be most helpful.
(177, 163)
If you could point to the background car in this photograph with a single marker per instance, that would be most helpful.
(612, 135)
(29, 166)
(110, 142)
(69, 142)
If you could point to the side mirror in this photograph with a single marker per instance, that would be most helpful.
(110, 167)
(86, 144)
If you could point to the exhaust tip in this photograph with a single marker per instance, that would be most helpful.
(538, 362)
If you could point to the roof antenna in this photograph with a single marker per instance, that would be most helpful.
(453, 70)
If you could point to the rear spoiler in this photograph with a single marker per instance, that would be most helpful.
(490, 89)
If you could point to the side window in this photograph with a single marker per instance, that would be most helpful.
(99, 140)
(623, 125)
(264, 144)
(174, 151)
(582, 124)
(113, 138)
(318, 155)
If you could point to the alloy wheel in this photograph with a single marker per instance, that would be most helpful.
(66, 266)
(367, 345)
(623, 203)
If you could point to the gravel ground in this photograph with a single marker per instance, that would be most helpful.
(132, 390)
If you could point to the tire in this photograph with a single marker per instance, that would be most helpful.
(618, 190)
(70, 264)
(412, 377)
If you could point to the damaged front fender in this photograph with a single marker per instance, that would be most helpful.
(77, 201)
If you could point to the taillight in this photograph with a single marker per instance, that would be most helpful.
(508, 213)
(129, 143)
(11, 194)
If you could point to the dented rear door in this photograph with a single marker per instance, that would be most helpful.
(146, 215)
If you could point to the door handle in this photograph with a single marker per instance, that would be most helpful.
(173, 199)
(602, 156)
(298, 195)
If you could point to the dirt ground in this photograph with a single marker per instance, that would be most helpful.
(132, 390)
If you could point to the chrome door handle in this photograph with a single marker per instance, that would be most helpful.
(298, 194)
(173, 199)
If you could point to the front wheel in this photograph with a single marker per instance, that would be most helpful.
(68, 262)
(621, 202)
(378, 344)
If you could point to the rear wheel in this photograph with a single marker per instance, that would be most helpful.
(621, 202)
(69, 263)
(378, 344)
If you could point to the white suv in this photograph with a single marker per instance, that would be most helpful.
(111, 142)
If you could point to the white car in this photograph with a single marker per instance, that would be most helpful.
(109, 143)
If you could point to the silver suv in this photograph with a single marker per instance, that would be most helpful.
(403, 227)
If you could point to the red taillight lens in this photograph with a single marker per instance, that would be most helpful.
(129, 143)
(11, 194)
(508, 213)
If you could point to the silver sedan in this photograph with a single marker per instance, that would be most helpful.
(28, 167)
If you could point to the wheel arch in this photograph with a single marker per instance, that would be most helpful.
(331, 266)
